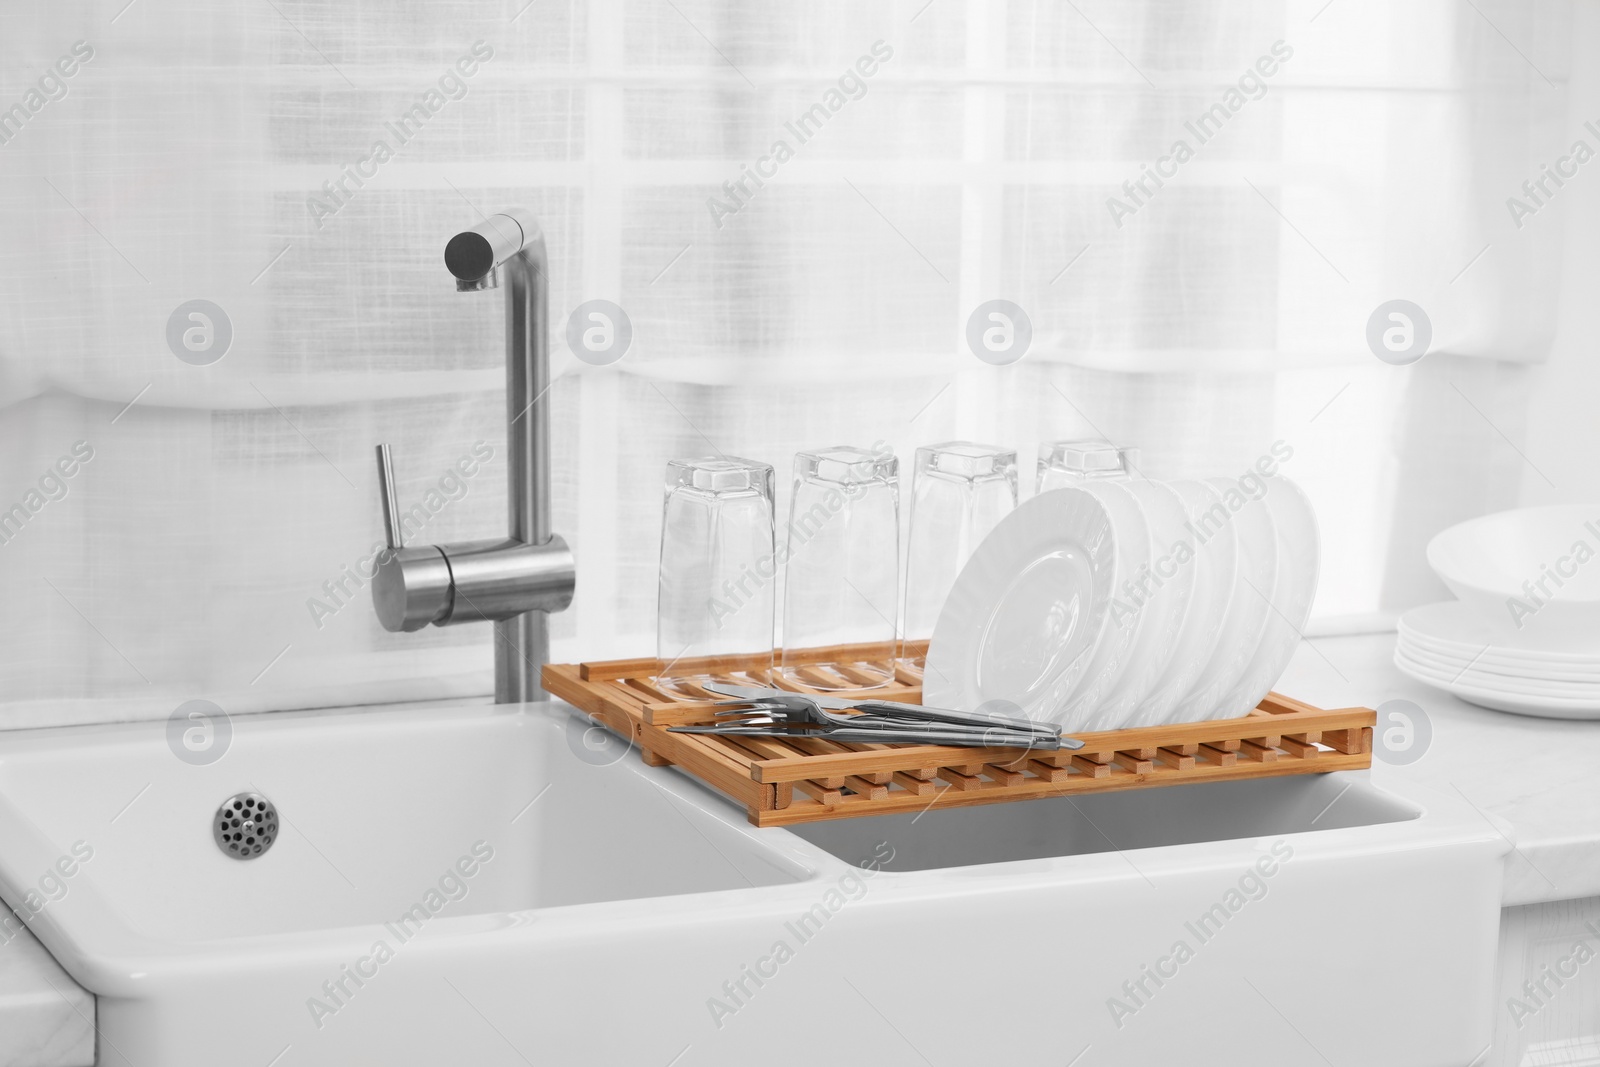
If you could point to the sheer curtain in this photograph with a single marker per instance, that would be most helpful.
(211, 546)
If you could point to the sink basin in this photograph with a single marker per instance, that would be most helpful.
(1108, 822)
(370, 822)
(483, 886)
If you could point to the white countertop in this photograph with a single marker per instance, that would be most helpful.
(1540, 776)
(46, 1019)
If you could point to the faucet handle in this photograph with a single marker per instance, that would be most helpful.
(413, 586)
(391, 508)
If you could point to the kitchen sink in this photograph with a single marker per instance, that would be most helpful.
(371, 821)
(1109, 822)
(495, 885)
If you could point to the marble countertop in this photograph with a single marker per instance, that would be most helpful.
(1539, 777)
(46, 1019)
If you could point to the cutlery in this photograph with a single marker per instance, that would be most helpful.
(785, 704)
(957, 736)
(801, 714)
(891, 709)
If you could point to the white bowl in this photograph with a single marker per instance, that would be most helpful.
(1533, 574)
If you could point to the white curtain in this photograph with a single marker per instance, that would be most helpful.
(205, 549)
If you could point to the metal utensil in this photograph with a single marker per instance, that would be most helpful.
(762, 715)
(911, 735)
(799, 707)
(797, 715)
(892, 708)
(801, 714)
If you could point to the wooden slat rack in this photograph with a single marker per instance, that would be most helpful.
(792, 780)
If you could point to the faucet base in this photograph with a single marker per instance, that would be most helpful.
(521, 649)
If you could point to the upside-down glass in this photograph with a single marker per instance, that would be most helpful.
(959, 491)
(718, 564)
(1066, 463)
(842, 575)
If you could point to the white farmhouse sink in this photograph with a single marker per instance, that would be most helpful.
(418, 909)
(1083, 826)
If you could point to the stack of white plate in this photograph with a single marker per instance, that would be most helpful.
(1524, 635)
(1129, 602)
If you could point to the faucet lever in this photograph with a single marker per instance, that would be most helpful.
(391, 507)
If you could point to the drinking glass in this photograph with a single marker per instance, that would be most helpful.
(841, 578)
(959, 492)
(1068, 463)
(718, 565)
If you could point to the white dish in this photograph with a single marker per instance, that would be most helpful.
(1162, 593)
(1299, 562)
(1212, 564)
(1429, 656)
(1023, 619)
(1516, 656)
(1450, 622)
(1491, 683)
(1093, 704)
(1532, 575)
(1498, 700)
(1455, 663)
(1498, 683)
(1242, 626)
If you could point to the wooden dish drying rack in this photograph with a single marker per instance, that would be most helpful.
(793, 780)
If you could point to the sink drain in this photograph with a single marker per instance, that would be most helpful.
(245, 826)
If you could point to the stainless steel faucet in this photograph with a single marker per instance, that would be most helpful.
(514, 581)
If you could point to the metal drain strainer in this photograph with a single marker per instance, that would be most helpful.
(245, 826)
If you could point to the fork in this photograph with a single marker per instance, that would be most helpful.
(891, 709)
(796, 712)
(913, 735)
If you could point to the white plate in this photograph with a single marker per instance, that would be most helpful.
(1299, 561)
(1503, 662)
(1497, 700)
(1094, 703)
(1451, 622)
(1210, 566)
(1493, 684)
(1250, 520)
(1023, 618)
(1507, 659)
(1161, 592)
(1492, 673)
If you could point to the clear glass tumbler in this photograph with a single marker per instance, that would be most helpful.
(959, 492)
(842, 574)
(719, 566)
(1068, 463)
